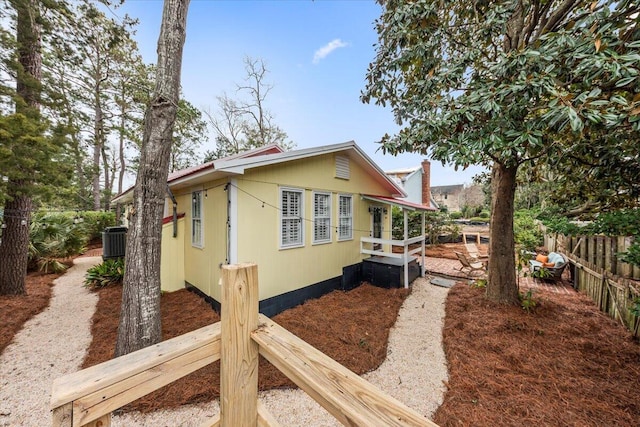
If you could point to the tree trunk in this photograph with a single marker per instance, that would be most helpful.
(121, 158)
(14, 249)
(14, 246)
(97, 148)
(108, 179)
(140, 323)
(502, 286)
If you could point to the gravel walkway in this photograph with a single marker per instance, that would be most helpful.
(414, 372)
(50, 345)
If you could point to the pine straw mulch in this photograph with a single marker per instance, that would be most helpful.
(16, 310)
(351, 327)
(564, 364)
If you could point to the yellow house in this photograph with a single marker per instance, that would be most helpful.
(307, 217)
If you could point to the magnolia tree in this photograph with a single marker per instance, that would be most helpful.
(512, 83)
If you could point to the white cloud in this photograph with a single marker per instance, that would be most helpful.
(327, 49)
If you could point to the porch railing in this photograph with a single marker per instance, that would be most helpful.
(406, 255)
(87, 397)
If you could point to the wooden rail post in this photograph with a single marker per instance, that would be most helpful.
(239, 353)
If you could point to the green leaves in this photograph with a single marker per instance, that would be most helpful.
(464, 96)
(110, 272)
(574, 120)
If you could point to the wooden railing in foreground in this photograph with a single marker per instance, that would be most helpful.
(87, 397)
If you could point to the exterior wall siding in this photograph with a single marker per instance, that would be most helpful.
(285, 270)
(258, 226)
(172, 257)
(413, 188)
(201, 265)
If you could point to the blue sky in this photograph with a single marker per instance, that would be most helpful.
(317, 53)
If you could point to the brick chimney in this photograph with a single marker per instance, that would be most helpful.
(426, 183)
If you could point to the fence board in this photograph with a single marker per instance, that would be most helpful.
(608, 255)
(600, 252)
(79, 384)
(627, 269)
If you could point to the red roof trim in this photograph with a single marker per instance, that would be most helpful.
(168, 219)
(189, 171)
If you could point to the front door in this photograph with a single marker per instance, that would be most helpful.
(376, 226)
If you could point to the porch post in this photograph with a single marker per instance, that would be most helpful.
(424, 267)
(238, 352)
(406, 255)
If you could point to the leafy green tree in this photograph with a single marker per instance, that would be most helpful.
(132, 93)
(508, 83)
(98, 45)
(21, 137)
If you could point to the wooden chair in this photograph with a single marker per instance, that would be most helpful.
(471, 265)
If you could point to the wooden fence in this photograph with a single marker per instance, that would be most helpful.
(600, 251)
(596, 271)
(87, 397)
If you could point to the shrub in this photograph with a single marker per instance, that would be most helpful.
(527, 302)
(620, 223)
(455, 215)
(526, 233)
(110, 272)
(436, 224)
(54, 236)
(631, 255)
(95, 222)
(563, 225)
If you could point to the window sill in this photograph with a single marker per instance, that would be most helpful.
(283, 248)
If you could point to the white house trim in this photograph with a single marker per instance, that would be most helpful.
(233, 221)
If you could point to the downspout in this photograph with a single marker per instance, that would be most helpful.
(175, 211)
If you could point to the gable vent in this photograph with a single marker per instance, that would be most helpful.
(342, 167)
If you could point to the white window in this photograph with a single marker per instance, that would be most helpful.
(345, 217)
(196, 219)
(291, 228)
(321, 217)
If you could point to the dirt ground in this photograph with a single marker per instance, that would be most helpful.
(564, 364)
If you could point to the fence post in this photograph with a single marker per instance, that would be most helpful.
(239, 353)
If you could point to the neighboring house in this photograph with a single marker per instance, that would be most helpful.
(299, 215)
(449, 196)
(416, 182)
